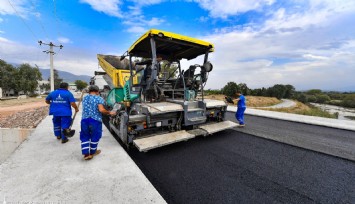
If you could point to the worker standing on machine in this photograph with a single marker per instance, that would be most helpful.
(61, 101)
(91, 122)
(239, 115)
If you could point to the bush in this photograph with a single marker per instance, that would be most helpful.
(349, 101)
(314, 92)
(212, 92)
(315, 111)
(350, 117)
(302, 98)
(311, 98)
(322, 98)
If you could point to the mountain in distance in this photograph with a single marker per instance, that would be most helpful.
(66, 76)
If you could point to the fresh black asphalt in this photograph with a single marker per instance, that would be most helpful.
(237, 167)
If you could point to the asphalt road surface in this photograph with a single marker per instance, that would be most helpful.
(237, 167)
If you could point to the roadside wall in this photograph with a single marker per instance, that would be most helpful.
(10, 139)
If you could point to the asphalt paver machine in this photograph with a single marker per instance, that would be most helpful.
(157, 101)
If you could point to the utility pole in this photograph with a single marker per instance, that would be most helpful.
(51, 53)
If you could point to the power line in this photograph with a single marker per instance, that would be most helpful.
(29, 28)
(56, 17)
(43, 29)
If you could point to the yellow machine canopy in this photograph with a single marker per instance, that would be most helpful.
(169, 46)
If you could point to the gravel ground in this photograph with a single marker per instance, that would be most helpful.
(25, 118)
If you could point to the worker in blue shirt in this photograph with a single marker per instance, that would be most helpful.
(91, 122)
(239, 115)
(61, 101)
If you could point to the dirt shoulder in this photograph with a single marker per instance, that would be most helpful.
(24, 113)
(252, 101)
(18, 102)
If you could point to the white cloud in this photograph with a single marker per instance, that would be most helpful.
(74, 60)
(4, 40)
(203, 19)
(78, 66)
(314, 57)
(154, 21)
(109, 7)
(17, 7)
(64, 40)
(14, 52)
(146, 2)
(132, 17)
(308, 49)
(136, 29)
(225, 8)
(308, 45)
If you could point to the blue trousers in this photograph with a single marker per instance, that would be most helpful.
(90, 135)
(60, 123)
(239, 115)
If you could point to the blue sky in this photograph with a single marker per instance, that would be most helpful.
(309, 44)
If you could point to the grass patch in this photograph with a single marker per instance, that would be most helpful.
(260, 101)
(350, 117)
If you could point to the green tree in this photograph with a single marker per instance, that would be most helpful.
(311, 98)
(322, 98)
(290, 91)
(336, 95)
(302, 98)
(349, 101)
(255, 92)
(263, 92)
(212, 91)
(314, 92)
(27, 78)
(80, 84)
(277, 91)
(243, 88)
(7, 77)
(230, 89)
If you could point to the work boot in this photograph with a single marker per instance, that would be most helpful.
(241, 126)
(96, 153)
(59, 137)
(65, 140)
(88, 157)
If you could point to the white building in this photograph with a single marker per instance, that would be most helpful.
(4, 93)
(72, 87)
(41, 83)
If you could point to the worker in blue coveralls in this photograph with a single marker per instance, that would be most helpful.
(239, 115)
(61, 101)
(91, 122)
